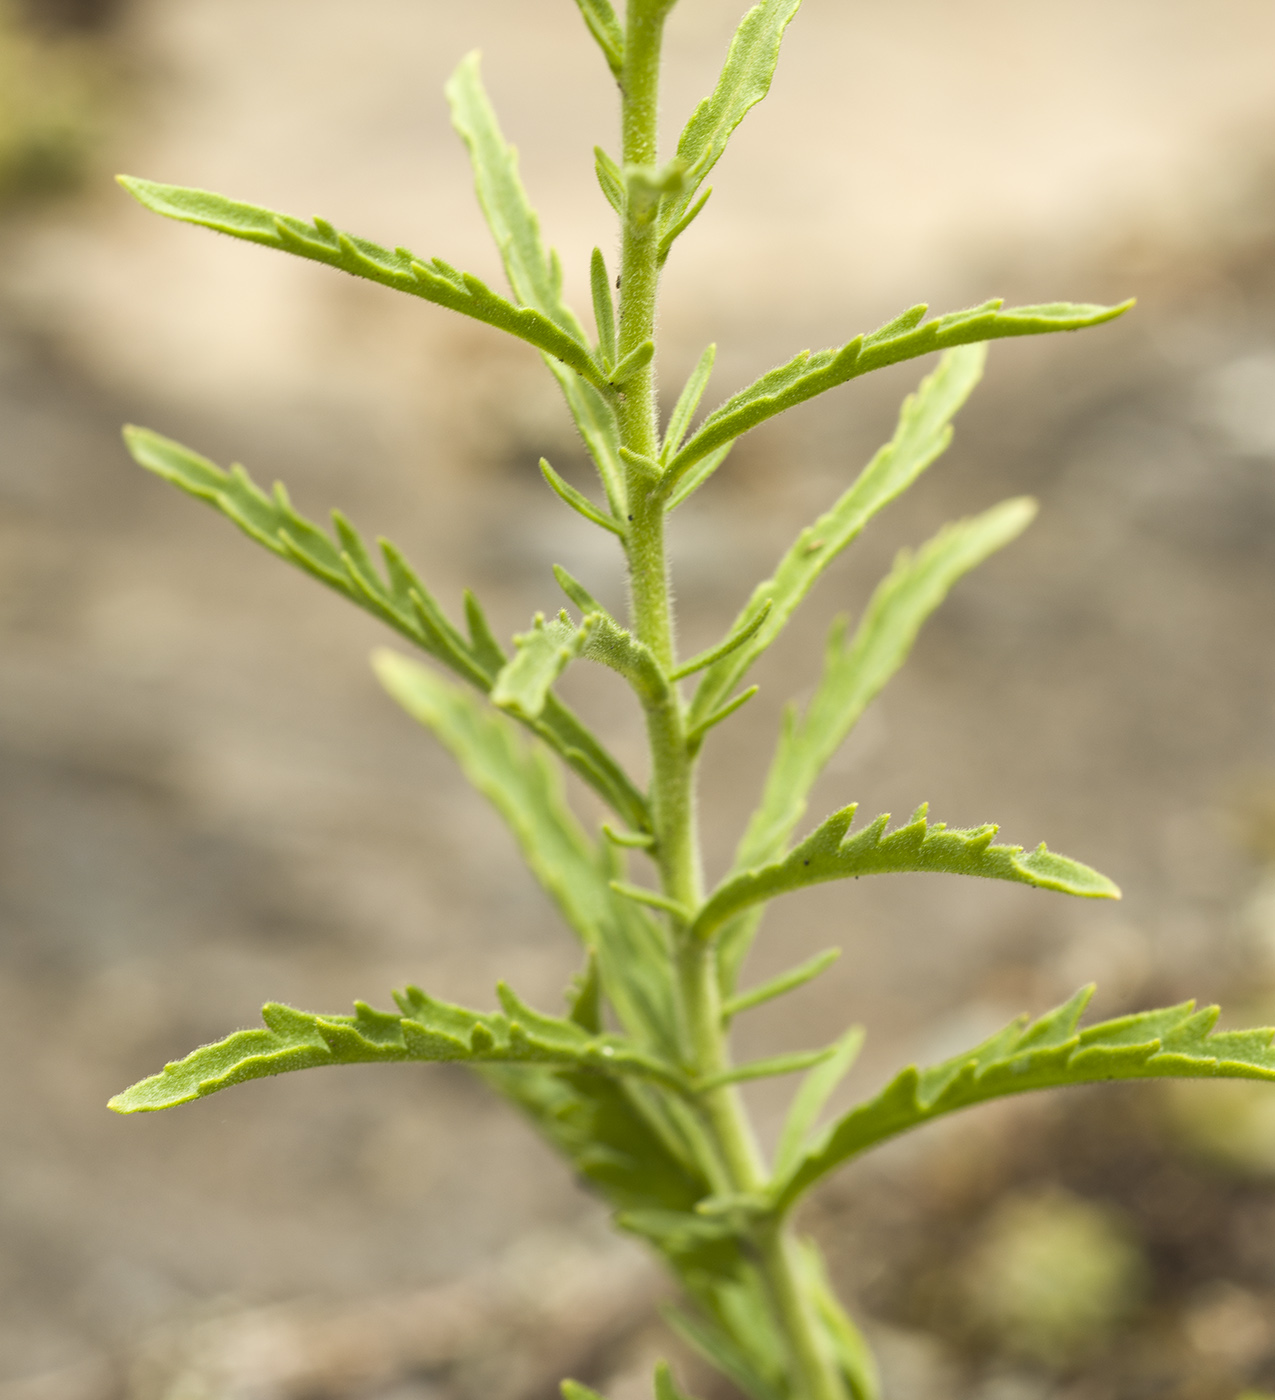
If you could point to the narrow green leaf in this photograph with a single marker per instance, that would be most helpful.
(809, 374)
(721, 1350)
(855, 673)
(595, 421)
(698, 475)
(542, 655)
(606, 31)
(603, 307)
(636, 360)
(403, 603)
(573, 1390)
(425, 1030)
(533, 273)
(584, 996)
(579, 502)
(771, 1068)
(666, 1388)
(782, 984)
(613, 1130)
(485, 648)
(639, 840)
(653, 898)
(576, 872)
(810, 1100)
(1177, 1042)
(744, 81)
(557, 335)
(695, 734)
(610, 179)
(736, 637)
(673, 232)
(687, 403)
(833, 852)
(858, 1366)
(347, 569)
(518, 782)
(576, 591)
(923, 433)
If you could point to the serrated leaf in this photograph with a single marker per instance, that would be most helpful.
(433, 280)
(533, 273)
(400, 600)
(834, 852)
(745, 79)
(426, 1029)
(855, 673)
(922, 434)
(807, 374)
(605, 28)
(1173, 1043)
(542, 655)
(576, 872)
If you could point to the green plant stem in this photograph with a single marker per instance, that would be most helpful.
(676, 848)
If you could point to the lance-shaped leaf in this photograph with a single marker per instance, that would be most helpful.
(687, 403)
(923, 433)
(744, 81)
(1177, 1042)
(400, 600)
(426, 1029)
(432, 280)
(605, 28)
(855, 672)
(807, 374)
(534, 273)
(834, 852)
(576, 872)
(595, 421)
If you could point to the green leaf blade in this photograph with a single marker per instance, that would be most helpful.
(856, 672)
(554, 331)
(542, 655)
(427, 1029)
(533, 272)
(574, 871)
(1174, 1042)
(921, 436)
(834, 852)
(601, 21)
(744, 81)
(808, 375)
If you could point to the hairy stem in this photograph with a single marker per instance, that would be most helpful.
(814, 1375)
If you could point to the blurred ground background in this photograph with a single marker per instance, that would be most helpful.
(206, 802)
